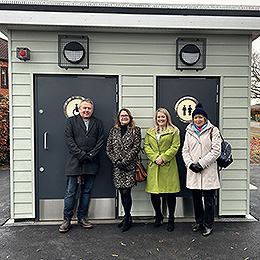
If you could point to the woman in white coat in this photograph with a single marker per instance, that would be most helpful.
(201, 148)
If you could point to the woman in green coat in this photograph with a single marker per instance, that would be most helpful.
(161, 144)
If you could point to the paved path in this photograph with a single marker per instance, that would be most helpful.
(4, 196)
(230, 240)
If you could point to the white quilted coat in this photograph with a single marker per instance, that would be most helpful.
(205, 151)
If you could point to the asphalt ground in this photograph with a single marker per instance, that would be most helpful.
(233, 239)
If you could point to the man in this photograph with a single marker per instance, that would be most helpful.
(84, 136)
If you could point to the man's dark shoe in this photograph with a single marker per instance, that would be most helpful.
(84, 223)
(65, 226)
(207, 231)
(197, 227)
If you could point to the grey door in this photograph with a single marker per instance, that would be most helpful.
(170, 90)
(51, 92)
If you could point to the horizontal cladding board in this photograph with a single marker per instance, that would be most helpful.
(22, 100)
(236, 112)
(18, 215)
(137, 80)
(153, 69)
(22, 155)
(21, 89)
(234, 122)
(22, 164)
(22, 175)
(22, 186)
(139, 101)
(238, 164)
(48, 36)
(144, 122)
(237, 195)
(229, 205)
(155, 56)
(234, 184)
(230, 174)
(235, 81)
(236, 92)
(22, 133)
(21, 78)
(242, 212)
(23, 197)
(140, 195)
(142, 205)
(22, 144)
(137, 91)
(141, 112)
(19, 35)
(22, 111)
(23, 208)
(19, 122)
(46, 51)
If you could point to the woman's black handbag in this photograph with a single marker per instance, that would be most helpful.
(225, 158)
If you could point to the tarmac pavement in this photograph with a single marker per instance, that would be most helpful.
(235, 239)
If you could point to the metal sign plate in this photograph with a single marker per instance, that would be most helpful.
(71, 105)
(184, 108)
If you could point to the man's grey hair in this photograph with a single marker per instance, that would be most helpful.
(88, 100)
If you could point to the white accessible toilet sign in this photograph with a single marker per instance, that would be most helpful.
(71, 105)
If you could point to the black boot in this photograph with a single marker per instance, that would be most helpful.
(121, 223)
(158, 220)
(126, 224)
(170, 225)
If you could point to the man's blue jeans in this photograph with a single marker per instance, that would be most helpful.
(71, 192)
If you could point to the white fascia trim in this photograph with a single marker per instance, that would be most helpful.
(128, 20)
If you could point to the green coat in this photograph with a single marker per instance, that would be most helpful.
(162, 179)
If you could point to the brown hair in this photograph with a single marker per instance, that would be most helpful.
(131, 123)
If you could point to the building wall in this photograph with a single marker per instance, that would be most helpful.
(3, 88)
(137, 59)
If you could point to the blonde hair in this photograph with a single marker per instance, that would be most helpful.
(169, 124)
(131, 123)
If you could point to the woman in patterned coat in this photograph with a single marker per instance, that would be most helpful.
(123, 145)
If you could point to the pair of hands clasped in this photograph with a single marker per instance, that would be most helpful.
(196, 167)
(159, 161)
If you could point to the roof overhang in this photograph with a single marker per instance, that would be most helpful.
(81, 15)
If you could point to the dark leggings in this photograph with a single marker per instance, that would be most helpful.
(171, 202)
(126, 200)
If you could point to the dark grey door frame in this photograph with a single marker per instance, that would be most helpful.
(186, 86)
(73, 90)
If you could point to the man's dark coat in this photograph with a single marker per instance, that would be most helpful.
(81, 143)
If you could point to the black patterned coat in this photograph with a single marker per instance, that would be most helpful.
(124, 148)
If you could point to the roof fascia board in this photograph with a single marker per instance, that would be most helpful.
(128, 20)
(156, 9)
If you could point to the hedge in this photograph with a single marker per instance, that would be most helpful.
(4, 131)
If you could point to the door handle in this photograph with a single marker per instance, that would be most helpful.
(45, 145)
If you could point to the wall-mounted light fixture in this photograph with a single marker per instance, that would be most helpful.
(22, 53)
(191, 53)
(73, 51)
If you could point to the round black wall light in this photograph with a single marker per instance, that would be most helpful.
(74, 52)
(190, 54)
